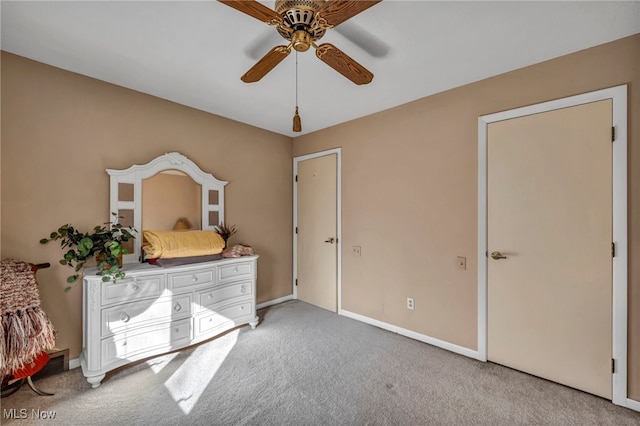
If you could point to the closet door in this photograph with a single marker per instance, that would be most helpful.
(317, 245)
(550, 245)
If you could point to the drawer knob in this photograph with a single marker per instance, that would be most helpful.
(235, 270)
(124, 317)
(134, 288)
(124, 343)
(242, 308)
(210, 295)
(177, 307)
(194, 279)
(177, 330)
(243, 289)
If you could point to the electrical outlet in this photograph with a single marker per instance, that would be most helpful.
(410, 303)
(462, 263)
(357, 250)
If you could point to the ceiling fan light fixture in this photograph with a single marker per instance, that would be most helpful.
(301, 41)
(302, 23)
(299, 15)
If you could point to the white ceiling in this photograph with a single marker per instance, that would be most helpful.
(194, 52)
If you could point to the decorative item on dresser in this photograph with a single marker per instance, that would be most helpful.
(226, 232)
(156, 310)
(196, 294)
(105, 243)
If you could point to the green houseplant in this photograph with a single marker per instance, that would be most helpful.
(104, 243)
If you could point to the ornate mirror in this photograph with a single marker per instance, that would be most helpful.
(162, 192)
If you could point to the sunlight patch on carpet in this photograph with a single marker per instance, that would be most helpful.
(191, 379)
(158, 363)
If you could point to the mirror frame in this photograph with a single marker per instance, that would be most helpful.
(135, 174)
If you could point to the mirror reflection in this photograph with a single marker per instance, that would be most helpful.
(171, 200)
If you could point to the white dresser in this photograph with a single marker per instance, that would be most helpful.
(155, 310)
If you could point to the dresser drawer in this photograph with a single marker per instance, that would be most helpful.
(223, 317)
(132, 288)
(209, 298)
(184, 280)
(130, 345)
(235, 271)
(136, 314)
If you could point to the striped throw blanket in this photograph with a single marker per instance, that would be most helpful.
(26, 330)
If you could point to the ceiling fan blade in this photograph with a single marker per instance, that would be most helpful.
(344, 64)
(364, 39)
(335, 12)
(256, 10)
(266, 64)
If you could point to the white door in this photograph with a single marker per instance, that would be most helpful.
(549, 228)
(317, 244)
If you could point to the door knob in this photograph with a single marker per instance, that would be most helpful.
(330, 240)
(497, 255)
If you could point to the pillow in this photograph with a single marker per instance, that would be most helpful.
(172, 244)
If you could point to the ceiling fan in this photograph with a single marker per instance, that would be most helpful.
(302, 23)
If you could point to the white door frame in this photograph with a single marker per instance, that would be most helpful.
(296, 160)
(619, 309)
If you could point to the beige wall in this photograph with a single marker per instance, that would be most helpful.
(409, 183)
(60, 131)
(167, 197)
(409, 193)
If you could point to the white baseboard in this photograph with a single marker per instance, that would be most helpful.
(633, 404)
(74, 363)
(413, 335)
(274, 302)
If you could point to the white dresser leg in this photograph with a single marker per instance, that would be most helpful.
(254, 323)
(95, 380)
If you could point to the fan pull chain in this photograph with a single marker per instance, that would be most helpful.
(297, 123)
